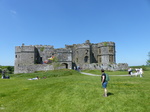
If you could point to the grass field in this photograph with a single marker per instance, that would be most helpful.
(69, 91)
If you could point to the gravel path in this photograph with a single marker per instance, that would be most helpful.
(100, 75)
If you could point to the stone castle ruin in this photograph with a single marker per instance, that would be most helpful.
(31, 58)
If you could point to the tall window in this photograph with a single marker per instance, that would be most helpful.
(76, 59)
(110, 58)
(100, 60)
(86, 59)
(111, 49)
(99, 50)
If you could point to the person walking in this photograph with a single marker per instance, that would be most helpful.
(104, 82)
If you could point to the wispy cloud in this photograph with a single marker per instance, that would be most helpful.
(13, 12)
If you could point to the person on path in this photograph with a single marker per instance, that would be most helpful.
(129, 71)
(104, 82)
(141, 72)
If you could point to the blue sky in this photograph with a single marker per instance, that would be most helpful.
(60, 22)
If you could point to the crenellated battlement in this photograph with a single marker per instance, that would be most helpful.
(105, 44)
(24, 48)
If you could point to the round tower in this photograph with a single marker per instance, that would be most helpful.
(106, 53)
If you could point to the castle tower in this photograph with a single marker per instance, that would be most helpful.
(82, 53)
(24, 55)
(106, 53)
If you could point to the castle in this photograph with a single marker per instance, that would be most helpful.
(87, 55)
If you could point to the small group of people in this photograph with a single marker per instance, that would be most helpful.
(4, 75)
(78, 68)
(138, 71)
(36, 78)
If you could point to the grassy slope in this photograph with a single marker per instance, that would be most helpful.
(74, 93)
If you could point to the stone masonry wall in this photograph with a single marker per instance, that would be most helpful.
(87, 55)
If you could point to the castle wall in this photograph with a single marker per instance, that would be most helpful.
(44, 52)
(33, 68)
(94, 53)
(25, 55)
(64, 55)
(111, 67)
(87, 55)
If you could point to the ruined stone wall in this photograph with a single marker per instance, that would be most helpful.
(33, 68)
(94, 53)
(44, 52)
(64, 55)
(111, 67)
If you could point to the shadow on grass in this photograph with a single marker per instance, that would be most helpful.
(109, 94)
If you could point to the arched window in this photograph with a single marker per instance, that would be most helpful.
(86, 59)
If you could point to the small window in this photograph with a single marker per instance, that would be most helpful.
(111, 49)
(86, 52)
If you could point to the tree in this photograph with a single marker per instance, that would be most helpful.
(10, 69)
(148, 61)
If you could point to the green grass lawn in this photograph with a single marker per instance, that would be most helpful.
(69, 91)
